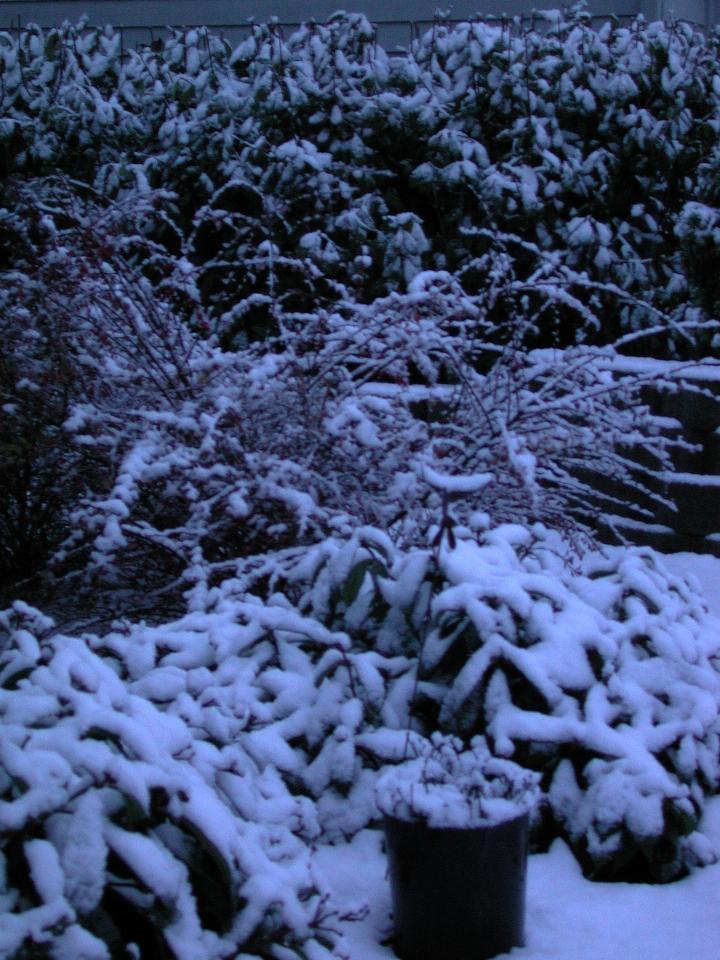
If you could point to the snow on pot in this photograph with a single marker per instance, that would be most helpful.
(456, 829)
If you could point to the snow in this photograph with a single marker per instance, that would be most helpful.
(708, 370)
(691, 479)
(703, 571)
(447, 787)
(638, 525)
(84, 853)
(460, 484)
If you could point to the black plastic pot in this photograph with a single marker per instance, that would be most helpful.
(458, 894)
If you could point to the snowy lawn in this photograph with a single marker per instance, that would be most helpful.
(706, 571)
(568, 917)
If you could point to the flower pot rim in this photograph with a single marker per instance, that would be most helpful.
(471, 825)
(457, 815)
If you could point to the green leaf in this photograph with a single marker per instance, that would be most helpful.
(11, 682)
(19, 785)
(355, 579)
(122, 921)
(131, 816)
(211, 879)
(51, 45)
(679, 820)
(107, 736)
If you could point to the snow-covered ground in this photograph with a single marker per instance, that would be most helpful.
(568, 918)
(706, 573)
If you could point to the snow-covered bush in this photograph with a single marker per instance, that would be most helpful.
(583, 139)
(606, 682)
(377, 414)
(698, 229)
(169, 780)
(299, 169)
(81, 323)
(137, 800)
(605, 679)
(177, 463)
